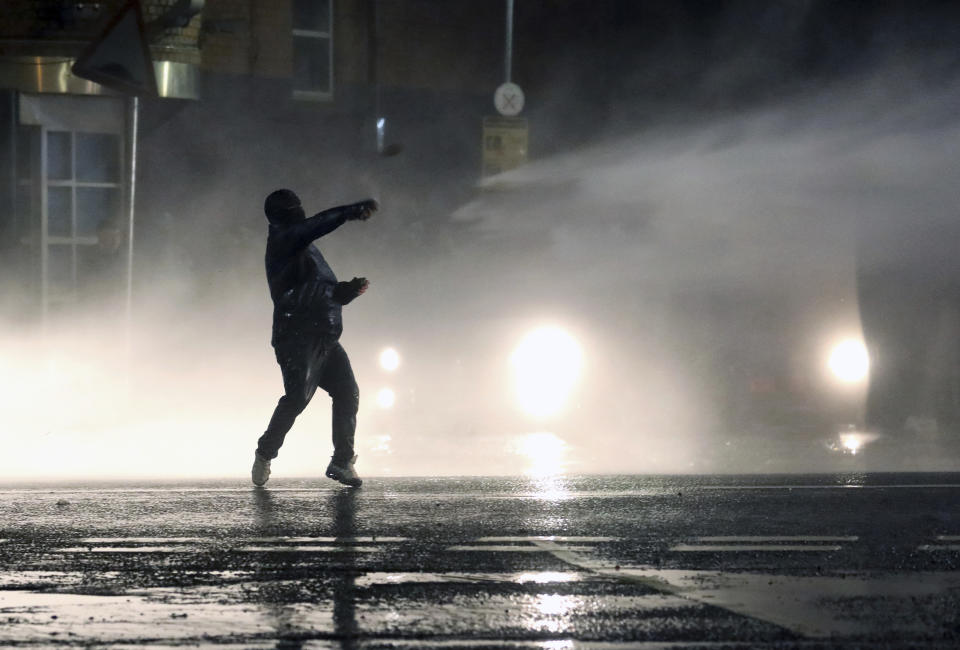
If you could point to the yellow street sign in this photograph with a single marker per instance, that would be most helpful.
(504, 143)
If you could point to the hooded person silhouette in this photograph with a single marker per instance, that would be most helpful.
(307, 304)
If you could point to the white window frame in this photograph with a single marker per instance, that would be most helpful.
(315, 95)
(74, 239)
(66, 113)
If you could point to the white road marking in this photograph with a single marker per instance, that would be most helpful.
(942, 547)
(195, 549)
(548, 538)
(740, 548)
(142, 540)
(805, 605)
(492, 548)
(563, 644)
(328, 540)
(277, 544)
(127, 549)
(536, 577)
(309, 549)
(917, 486)
(778, 538)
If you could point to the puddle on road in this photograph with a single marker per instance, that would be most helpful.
(519, 615)
(31, 616)
(207, 614)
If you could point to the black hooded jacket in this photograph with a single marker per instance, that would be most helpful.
(301, 282)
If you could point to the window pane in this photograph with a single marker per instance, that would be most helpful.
(311, 64)
(101, 274)
(59, 214)
(60, 269)
(25, 144)
(94, 205)
(25, 214)
(313, 15)
(98, 157)
(59, 156)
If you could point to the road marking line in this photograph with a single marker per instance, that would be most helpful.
(139, 540)
(515, 549)
(376, 578)
(191, 548)
(793, 603)
(548, 538)
(917, 486)
(737, 548)
(328, 540)
(939, 547)
(778, 538)
(948, 538)
(127, 549)
(255, 540)
(309, 549)
(564, 644)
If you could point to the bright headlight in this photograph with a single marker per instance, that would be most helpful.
(849, 361)
(546, 365)
(389, 359)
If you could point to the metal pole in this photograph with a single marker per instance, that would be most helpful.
(41, 181)
(509, 53)
(134, 112)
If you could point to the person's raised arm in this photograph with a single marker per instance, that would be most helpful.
(299, 235)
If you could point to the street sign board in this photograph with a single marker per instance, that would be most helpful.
(119, 58)
(504, 143)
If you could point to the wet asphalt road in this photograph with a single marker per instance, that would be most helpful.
(596, 562)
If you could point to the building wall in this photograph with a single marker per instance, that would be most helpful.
(411, 42)
(44, 28)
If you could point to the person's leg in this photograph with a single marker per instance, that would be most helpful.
(337, 379)
(298, 389)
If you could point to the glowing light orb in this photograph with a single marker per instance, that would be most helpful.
(386, 398)
(545, 453)
(851, 443)
(546, 366)
(849, 361)
(389, 359)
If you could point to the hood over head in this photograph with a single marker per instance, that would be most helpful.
(283, 207)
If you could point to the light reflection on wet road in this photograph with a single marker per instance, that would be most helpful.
(552, 563)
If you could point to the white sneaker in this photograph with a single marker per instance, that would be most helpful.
(260, 472)
(344, 473)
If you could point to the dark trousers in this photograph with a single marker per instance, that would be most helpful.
(306, 367)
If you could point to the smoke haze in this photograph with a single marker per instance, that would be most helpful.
(679, 250)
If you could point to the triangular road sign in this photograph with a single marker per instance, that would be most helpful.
(120, 58)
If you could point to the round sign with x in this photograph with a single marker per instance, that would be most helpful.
(508, 99)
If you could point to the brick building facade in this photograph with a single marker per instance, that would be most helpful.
(315, 75)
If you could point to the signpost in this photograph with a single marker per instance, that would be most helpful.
(505, 137)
